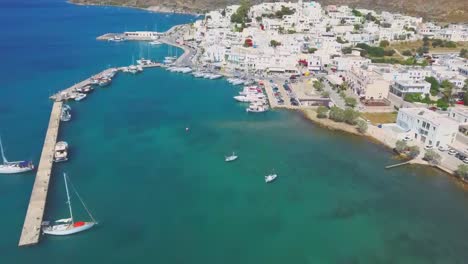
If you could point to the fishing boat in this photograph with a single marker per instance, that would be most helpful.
(68, 226)
(80, 96)
(65, 116)
(271, 177)
(233, 157)
(11, 167)
(61, 151)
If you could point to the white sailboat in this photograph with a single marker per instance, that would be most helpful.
(68, 226)
(13, 166)
(271, 177)
(233, 157)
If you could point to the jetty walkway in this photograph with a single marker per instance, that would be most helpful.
(32, 223)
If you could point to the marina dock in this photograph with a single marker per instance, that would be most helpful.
(32, 224)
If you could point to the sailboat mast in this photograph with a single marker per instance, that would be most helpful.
(68, 196)
(3, 154)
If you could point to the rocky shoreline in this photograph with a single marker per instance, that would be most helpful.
(155, 9)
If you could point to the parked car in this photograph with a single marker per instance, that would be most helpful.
(465, 160)
(407, 138)
(428, 147)
(452, 152)
(441, 148)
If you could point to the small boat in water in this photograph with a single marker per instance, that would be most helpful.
(68, 226)
(61, 151)
(104, 82)
(8, 167)
(80, 96)
(65, 116)
(255, 108)
(155, 42)
(233, 157)
(271, 177)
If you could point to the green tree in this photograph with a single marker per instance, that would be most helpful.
(344, 86)
(275, 43)
(322, 112)
(362, 126)
(350, 116)
(240, 16)
(318, 86)
(336, 114)
(434, 85)
(464, 53)
(462, 172)
(400, 146)
(407, 53)
(432, 157)
(447, 90)
(356, 13)
(384, 43)
(465, 86)
(325, 94)
(350, 101)
(311, 50)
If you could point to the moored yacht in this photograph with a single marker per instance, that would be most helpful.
(10, 167)
(68, 226)
(104, 82)
(65, 116)
(80, 96)
(61, 151)
(253, 108)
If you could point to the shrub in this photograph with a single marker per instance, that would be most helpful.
(432, 157)
(322, 112)
(462, 172)
(401, 146)
(407, 53)
(336, 114)
(384, 43)
(350, 101)
(350, 116)
(362, 126)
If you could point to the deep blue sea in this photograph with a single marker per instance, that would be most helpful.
(164, 195)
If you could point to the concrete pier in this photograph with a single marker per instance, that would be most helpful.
(32, 224)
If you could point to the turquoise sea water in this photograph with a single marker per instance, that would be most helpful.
(164, 195)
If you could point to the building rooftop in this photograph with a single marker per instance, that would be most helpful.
(431, 116)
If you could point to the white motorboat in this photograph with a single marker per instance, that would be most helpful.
(80, 96)
(104, 82)
(144, 61)
(65, 116)
(155, 42)
(10, 167)
(198, 74)
(238, 82)
(61, 151)
(215, 76)
(249, 98)
(116, 39)
(233, 157)
(271, 177)
(68, 226)
(253, 108)
(133, 69)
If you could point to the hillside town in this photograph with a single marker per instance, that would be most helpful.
(396, 78)
(342, 57)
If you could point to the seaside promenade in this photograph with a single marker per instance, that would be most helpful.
(30, 233)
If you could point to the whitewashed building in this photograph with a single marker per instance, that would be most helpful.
(427, 127)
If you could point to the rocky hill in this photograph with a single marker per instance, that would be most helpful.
(448, 10)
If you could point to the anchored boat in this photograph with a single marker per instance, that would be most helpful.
(271, 177)
(233, 157)
(68, 226)
(65, 116)
(13, 166)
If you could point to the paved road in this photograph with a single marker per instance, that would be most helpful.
(334, 95)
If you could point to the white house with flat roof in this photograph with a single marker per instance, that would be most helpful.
(459, 114)
(403, 87)
(367, 84)
(427, 127)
